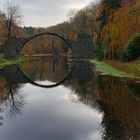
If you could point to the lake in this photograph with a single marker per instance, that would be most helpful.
(54, 98)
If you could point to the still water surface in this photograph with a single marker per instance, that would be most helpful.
(85, 106)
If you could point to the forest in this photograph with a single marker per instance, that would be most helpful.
(111, 25)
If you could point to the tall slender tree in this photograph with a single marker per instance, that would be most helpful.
(13, 17)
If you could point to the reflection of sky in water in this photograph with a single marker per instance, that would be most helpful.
(45, 82)
(50, 114)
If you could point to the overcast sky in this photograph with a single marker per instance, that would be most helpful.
(44, 13)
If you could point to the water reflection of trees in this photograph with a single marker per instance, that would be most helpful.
(81, 82)
(116, 98)
(11, 79)
(120, 106)
(53, 69)
(11, 103)
(14, 102)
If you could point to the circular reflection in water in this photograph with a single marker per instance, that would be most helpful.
(49, 64)
(47, 72)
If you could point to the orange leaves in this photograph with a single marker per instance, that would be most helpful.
(120, 26)
(136, 8)
(72, 35)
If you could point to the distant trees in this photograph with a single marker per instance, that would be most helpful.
(107, 23)
(84, 21)
(80, 20)
(31, 31)
(82, 28)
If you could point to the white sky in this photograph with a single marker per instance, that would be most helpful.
(44, 13)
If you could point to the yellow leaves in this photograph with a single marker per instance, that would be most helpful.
(72, 35)
(117, 31)
(136, 8)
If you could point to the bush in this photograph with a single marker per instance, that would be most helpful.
(132, 49)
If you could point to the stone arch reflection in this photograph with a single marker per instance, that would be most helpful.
(47, 86)
(47, 72)
(14, 75)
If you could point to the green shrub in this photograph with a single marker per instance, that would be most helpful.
(132, 49)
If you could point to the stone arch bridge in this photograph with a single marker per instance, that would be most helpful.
(12, 47)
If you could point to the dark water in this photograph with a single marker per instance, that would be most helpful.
(77, 104)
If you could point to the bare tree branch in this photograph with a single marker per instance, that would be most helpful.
(13, 17)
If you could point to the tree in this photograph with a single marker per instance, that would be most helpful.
(13, 17)
(107, 8)
(132, 49)
(121, 25)
(85, 21)
(79, 18)
(1, 27)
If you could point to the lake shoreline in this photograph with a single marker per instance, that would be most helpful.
(119, 69)
(107, 67)
(5, 62)
(116, 68)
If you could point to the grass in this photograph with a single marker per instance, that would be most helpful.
(109, 70)
(116, 68)
(4, 62)
(106, 69)
(132, 67)
(113, 68)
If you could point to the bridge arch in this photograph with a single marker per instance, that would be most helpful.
(51, 34)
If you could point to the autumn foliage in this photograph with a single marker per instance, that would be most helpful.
(117, 31)
(109, 24)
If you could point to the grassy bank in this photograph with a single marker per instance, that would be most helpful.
(115, 68)
(4, 62)
(132, 67)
